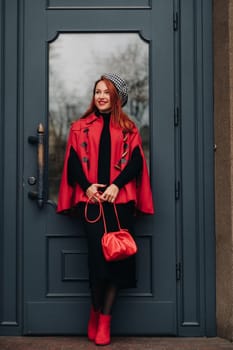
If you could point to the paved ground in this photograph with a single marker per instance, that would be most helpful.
(118, 343)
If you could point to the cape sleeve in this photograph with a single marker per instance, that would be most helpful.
(66, 191)
(144, 202)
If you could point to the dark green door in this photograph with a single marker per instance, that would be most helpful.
(76, 38)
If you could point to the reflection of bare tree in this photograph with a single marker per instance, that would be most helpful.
(132, 63)
(63, 109)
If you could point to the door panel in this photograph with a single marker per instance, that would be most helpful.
(56, 292)
(98, 3)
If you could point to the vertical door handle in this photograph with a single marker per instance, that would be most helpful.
(39, 140)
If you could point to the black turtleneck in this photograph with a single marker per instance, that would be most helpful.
(132, 169)
(104, 152)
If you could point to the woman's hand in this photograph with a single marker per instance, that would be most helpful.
(92, 191)
(110, 193)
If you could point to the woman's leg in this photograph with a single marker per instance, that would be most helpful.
(97, 295)
(111, 291)
(103, 336)
(103, 296)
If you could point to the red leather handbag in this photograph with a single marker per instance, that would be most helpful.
(116, 245)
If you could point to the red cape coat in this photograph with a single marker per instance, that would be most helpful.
(84, 137)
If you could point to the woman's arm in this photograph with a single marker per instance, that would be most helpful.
(75, 171)
(131, 170)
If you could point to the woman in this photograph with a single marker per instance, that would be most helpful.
(105, 161)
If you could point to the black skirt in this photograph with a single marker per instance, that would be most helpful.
(122, 273)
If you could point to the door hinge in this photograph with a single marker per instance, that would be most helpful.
(178, 271)
(175, 21)
(176, 116)
(177, 190)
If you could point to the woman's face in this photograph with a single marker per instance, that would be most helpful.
(102, 97)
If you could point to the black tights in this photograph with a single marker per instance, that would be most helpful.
(103, 296)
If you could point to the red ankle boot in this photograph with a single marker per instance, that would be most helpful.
(103, 331)
(92, 324)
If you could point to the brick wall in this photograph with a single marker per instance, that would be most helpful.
(223, 111)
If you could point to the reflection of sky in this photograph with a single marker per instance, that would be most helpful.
(79, 58)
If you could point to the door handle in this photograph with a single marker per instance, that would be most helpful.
(40, 141)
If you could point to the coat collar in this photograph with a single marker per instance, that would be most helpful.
(91, 118)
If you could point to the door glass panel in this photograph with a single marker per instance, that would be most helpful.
(76, 61)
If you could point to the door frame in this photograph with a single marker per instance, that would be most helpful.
(194, 71)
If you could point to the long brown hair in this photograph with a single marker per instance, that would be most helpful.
(119, 117)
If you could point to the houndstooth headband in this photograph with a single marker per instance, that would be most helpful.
(120, 85)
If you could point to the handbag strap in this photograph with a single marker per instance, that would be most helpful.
(101, 212)
(99, 215)
(104, 220)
